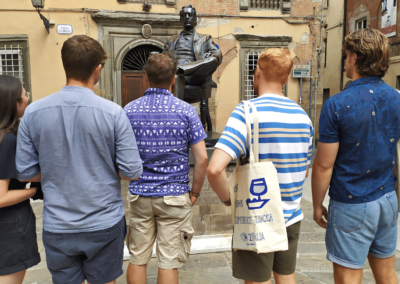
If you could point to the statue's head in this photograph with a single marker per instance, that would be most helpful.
(188, 17)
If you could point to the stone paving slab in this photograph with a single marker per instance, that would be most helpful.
(215, 268)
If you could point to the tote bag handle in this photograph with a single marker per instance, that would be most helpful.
(254, 153)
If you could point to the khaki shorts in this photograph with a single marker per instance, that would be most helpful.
(166, 220)
(249, 265)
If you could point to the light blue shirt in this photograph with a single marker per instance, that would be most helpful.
(78, 140)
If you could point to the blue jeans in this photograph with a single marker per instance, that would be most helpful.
(357, 230)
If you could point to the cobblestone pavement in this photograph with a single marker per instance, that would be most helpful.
(312, 266)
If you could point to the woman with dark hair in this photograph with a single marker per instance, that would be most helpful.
(18, 242)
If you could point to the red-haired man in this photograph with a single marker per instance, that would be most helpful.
(286, 140)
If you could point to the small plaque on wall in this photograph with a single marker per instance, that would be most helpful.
(64, 29)
(147, 31)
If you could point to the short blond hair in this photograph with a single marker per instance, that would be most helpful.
(276, 64)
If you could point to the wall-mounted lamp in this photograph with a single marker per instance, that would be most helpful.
(39, 4)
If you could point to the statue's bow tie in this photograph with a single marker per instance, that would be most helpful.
(189, 33)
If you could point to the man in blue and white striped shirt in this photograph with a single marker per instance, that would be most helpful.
(285, 138)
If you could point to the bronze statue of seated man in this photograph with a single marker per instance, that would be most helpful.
(197, 55)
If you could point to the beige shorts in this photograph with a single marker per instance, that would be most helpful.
(166, 220)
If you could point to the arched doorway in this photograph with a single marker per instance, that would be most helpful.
(134, 79)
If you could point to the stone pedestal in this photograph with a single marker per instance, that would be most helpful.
(210, 216)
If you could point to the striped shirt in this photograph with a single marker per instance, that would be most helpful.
(285, 139)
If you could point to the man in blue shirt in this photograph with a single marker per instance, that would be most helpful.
(80, 146)
(160, 202)
(359, 129)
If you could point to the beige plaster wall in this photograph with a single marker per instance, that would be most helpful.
(393, 72)
(334, 34)
(89, 4)
(19, 17)
(229, 84)
(47, 75)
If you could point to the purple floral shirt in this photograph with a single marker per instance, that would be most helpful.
(165, 127)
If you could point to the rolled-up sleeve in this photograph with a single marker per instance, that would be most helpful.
(26, 158)
(329, 123)
(196, 131)
(126, 150)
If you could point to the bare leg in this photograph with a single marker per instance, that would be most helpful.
(167, 276)
(285, 279)
(136, 274)
(383, 270)
(344, 275)
(252, 282)
(15, 278)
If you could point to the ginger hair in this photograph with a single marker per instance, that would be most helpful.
(275, 64)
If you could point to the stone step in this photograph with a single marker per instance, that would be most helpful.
(201, 244)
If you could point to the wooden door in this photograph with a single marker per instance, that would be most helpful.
(134, 84)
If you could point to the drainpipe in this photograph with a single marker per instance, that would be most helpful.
(311, 89)
(344, 35)
(315, 110)
(319, 69)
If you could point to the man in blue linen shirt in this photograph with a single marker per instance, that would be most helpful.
(80, 145)
(359, 129)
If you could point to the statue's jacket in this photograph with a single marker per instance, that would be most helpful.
(202, 44)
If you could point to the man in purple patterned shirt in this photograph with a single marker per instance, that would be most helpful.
(161, 200)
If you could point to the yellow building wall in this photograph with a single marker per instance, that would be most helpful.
(394, 71)
(47, 74)
(331, 79)
(86, 4)
(19, 17)
(228, 93)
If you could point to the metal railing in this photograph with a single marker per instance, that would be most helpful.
(265, 4)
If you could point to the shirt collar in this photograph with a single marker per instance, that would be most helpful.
(365, 80)
(76, 89)
(157, 91)
(185, 33)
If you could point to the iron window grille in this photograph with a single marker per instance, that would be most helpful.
(11, 61)
(136, 58)
(250, 62)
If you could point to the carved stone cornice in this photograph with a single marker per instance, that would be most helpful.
(269, 38)
(114, 17)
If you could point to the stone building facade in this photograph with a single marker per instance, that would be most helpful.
(241, 29)
(371, 11)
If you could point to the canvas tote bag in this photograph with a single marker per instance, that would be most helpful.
(257, 213)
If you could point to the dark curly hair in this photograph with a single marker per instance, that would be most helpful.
(372, 49)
